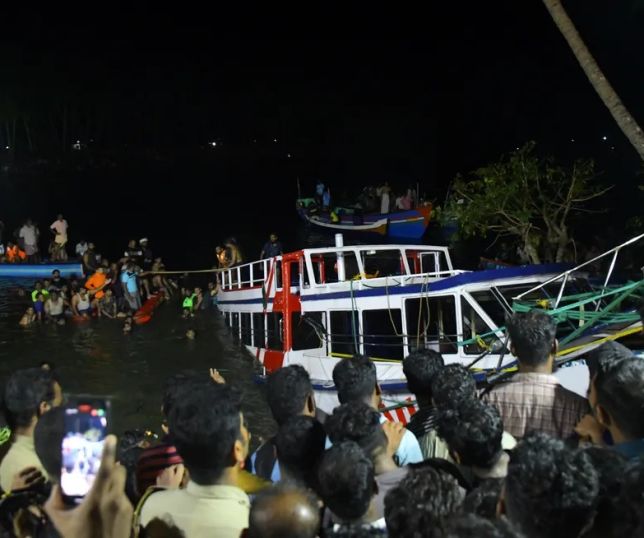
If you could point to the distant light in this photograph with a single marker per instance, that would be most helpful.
(517, 148)
(274, 139)
(213, 144)
(572, 139)
(6, 147)
(604, 138)
(288, 155)
(612, 147)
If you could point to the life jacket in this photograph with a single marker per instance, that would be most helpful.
(94, 282)
(188, 302)
(15, 253)
(34, 294)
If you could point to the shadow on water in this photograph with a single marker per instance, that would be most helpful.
(97, 358)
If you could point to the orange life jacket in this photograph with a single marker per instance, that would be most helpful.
(15, 253)
(94, 282)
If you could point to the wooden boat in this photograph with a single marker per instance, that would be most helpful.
(406, 224)
(317, 306)
(40, 270)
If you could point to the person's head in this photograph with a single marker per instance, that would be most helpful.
(53, 295)
(191, 334)
(617, 399)
(208, 429)
(38, 285)
(48, 438)
(30, 310)
(550, 490)
(144, 242)
(533, 338)
(451, 385)
(174, 384)
(100, 269)
(300, 445)
(470, 525)
(356, 381)
(604, 356)
(91, 246)
(55, 274)
(273, 238)
(422, 503)
(347, 481)
(360, 423)
(131, 243)
(40, 297)
(29, 394)
(108, 293)
(284, 510)
(28, 222)
(473, 431)
(82, 292)
(484, 499)
(419, 368)
(289, 393)
(610, 466)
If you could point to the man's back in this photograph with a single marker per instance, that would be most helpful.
(200, 511)
(535, 401)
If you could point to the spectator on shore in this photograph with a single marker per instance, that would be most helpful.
(210, 434)
(420, 367)
(284, 510)
(355, 380)
(29, 394)
(81, 248)
(533, 399)
(550, 490)
(289, 393)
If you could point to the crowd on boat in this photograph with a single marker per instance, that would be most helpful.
(527, 458)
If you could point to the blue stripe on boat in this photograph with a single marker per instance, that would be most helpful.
(26, 270)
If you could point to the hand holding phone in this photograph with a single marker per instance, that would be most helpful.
(86, 426)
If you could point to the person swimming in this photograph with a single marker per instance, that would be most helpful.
(28, 317)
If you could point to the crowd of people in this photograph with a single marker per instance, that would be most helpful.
(525, 458)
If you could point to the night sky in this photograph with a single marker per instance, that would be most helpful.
(354, 98)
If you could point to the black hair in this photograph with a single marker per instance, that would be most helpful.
(610, 466)
(483, 500)
(357, 422)
(470, 525)
(287, 391)
(620, 391)
(300, 444)
(474, 431)
(422, 503)
(48, 438)
(532, 335)
(550, 490)
(631, 501)
(452, 384)
(346, 481)
(355, 379)
(419, 368)
(173, 385)
(269, 518)
(602, 357)
(204, 422)
(24, 392)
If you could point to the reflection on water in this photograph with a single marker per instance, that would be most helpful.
(97, 358)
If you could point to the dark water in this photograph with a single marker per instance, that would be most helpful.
(97, 358)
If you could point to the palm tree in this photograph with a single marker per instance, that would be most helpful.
(626, 123)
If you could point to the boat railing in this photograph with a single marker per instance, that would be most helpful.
(564, 276)
(248, 275)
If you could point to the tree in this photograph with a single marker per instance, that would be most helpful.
(626, 122)
(525, 197)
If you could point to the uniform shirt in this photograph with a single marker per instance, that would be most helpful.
(21, 455)
(533, 401)
(200, 511)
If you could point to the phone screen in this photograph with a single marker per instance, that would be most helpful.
(82, 448)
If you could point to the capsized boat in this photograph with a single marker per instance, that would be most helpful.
(317, 306)
(405, 224)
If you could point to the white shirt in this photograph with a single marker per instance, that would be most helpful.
(81, 248)
(60, 226)
(28, 234)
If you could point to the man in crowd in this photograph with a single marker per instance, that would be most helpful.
(533, 399)
(29, 394)
(59, 229)
(209, 432)
(28, 237)
(355, 380)
(271, 248)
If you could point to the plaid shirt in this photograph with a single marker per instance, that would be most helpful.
(531, 401)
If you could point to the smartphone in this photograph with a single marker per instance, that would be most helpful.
(86, 426)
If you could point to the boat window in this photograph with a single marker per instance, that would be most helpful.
(308, 330)
(431, 323)
(274, 330)
(246, 336)
(474, 328)
(492, 304)
(234, 325)
(244, 272)
(259, 335)
(327, 270)
(383, 334)
(294, 269)
(382, 262)
(345, 332)
(258, 274)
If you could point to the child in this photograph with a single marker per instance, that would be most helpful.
(28, 317)
(39, 307)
